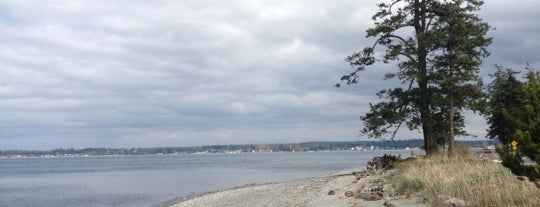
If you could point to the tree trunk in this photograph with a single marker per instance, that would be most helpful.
(424, 99)
(451, 123)
(430, 142)
(450, 94)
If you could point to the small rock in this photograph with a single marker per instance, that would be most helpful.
(375, 196)
(448, 200)
(388, 204)
(378, 188)
(349, 194)
(360, 175)
(524, 178)
(332, 192)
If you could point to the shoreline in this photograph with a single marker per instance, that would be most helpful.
(196, 153)
(332, 190)
(182, 199)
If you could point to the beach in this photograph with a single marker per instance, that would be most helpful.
(324, 191)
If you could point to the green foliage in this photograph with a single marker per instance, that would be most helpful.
(505, 94)
(457, 64)
(448, 38)
(527, 132)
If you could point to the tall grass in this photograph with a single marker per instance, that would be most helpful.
(479, 183)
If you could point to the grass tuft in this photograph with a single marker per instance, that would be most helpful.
(479, 183)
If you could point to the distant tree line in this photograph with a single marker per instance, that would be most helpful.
(297, 147)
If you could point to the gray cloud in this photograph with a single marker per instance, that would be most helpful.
(169, 73)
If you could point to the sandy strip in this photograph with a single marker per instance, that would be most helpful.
(301, 193)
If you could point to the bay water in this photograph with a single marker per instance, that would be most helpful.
(157, 180)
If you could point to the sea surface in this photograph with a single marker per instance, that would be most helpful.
(156, 180)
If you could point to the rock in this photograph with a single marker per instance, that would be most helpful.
(388, 204)
(369, 195)
(375, 196)
(360, 175)
(364, 194)
(375, 189)
(332, 192)
(449, 200)
(378, 188)
(524, 178)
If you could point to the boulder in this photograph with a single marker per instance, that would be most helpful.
(364, 194)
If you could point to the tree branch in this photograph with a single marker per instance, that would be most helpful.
(402, 114)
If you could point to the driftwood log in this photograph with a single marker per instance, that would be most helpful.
(355, 188)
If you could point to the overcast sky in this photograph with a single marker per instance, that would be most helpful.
(182, 73)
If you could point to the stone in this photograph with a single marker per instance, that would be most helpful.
(375, 196)
(524, 178)
(332, 192)
(364, 194)
(388, 204)
(378, 188)
(449, 200)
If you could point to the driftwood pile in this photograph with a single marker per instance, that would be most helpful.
(381, 164)
(366, 186)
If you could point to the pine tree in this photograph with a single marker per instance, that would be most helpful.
(527, 132)
(463, 45)
(504, 93)
(415, 104)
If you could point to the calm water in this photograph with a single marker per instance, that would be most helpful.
(154, 180)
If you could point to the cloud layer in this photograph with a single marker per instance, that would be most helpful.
(179, 73)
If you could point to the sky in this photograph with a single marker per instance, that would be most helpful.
(134, 73)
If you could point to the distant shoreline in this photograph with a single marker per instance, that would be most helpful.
(179, 154)
(248, 148)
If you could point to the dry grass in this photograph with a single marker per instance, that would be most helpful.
(477, 182)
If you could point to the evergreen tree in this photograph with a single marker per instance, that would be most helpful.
(415, 104)
(463, 44)
(527, 132)
(504, 93)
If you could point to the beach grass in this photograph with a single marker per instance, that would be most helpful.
(477, 182)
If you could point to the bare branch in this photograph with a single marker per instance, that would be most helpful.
(392, 4)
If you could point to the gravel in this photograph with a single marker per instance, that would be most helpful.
(313, 192)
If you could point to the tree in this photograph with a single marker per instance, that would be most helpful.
(504, 94)
(414, 104)
(527, 132)
(463, 42)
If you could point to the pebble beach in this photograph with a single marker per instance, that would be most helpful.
(325, 191)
